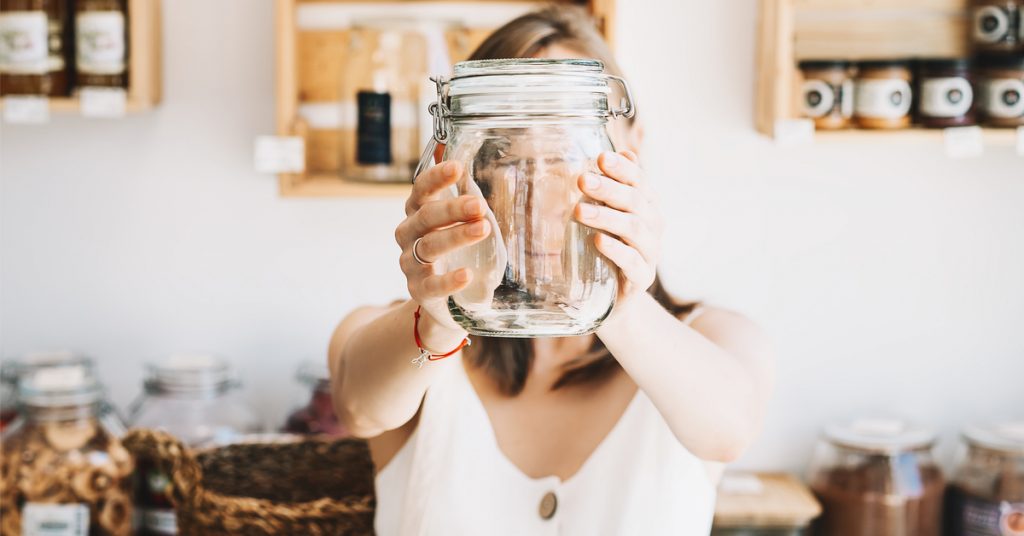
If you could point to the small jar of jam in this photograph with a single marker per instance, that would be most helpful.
(882, 94)
(996, 25)
(1001, 91)
(946, 96)
(827, 93)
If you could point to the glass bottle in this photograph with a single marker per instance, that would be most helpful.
(525, 131)
(24, 47)
(101, 43)
(316, 415)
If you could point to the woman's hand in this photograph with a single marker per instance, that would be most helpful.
(630, 220)
(436, 228)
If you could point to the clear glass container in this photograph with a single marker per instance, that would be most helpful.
(986, 496)
(12, 370)
(525, 131)
(315, 415)
(195, 398)
(877, 478)
(64, 470)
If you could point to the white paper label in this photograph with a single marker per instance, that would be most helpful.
(55, 520)
(964, 142)
(280, 154)
(159, 520)
(103, 101)
(100, 42)
(819, 98)
(24, 37)
(946, 97)
(991, 24)
(1003, 98)
(882, 99)
(26, 109)
(789, 132)
(1020, 141)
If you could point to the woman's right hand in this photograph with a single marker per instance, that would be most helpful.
(440, 226)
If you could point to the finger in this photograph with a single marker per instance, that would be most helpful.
(442, 286)
(437, 214)
(429, 183)
(621, 168)
(628, 227)
(437, 244)
(614, 193)
(628, 259)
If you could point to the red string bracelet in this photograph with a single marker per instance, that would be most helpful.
(425, 354)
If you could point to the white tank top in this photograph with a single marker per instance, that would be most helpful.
(451, 478)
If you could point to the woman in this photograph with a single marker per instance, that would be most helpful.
(621, 432)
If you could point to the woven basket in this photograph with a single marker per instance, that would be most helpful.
(312, 486)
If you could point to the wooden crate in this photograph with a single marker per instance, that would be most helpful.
(793, 30)
(145, 80)
(309, 71)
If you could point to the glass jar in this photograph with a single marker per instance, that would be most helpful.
(101, 43)
(24, 47)
(525, 131)
(1002, 91)
(877, 478)
(11, 371)
(946, 95)
(986, 497)
(827, 93)
(883, 96)
(316, 416)
(195, 399)
(996, 25)
(64, 470)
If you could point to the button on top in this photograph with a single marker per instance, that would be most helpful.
(548, 505)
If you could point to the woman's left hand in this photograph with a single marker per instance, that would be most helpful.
(630, 220)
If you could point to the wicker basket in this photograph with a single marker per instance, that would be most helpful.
(312, 486)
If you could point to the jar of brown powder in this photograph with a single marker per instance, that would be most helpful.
(986, 497)
(882, 94)
(827, 93)
(877, 478)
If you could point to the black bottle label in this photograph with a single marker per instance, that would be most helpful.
(373, 131)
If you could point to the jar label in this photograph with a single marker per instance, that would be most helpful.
(100, 42)
(946, 97)
(882, 99)
(1003, 98)
(993, 25)
(159, 520)
(373, 128)
(974, 516)
(819, 98)
(24, 45)
(55, 520)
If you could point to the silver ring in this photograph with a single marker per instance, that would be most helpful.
(416, 256)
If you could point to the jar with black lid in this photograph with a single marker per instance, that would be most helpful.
(986, 497)
(996, 25)
(827, 93)
(946, 95)
(882, 94)
(1001, 91)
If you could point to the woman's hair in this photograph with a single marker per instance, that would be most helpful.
(507, 361)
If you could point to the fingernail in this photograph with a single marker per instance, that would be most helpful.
(591, 182)
(588, 211)
(462, 275)
(449, 169)
(612, 160)
(477, 229)
(472, 206)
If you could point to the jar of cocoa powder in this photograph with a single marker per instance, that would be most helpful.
(986, 496)
(946, 94)
(882, 94)
(827, 93)
(1001, 99)
(877, 478)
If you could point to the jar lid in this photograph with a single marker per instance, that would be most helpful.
(11, 370)
(820, 65)
(881, 435)
(313, 372)
(1002, 437)
(957, 64)
(59, 386)
(884, 64)
(1009, 62)
(186, 374)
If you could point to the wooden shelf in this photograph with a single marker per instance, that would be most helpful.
(309, 62)
(145, 80)
(993, 137)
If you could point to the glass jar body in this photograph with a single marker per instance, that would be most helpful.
(538, 273)
(986, 496)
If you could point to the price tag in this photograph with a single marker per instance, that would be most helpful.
(280, 154)
(55, 520)
(964, 142)
(103, 101)
(1020, 141)
(791, 132)
(26, 109)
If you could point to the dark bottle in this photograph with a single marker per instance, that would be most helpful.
(101, 43)
(24, 39)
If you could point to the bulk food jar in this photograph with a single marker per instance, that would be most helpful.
(316, 413)
(877, 478)
(525, 130)
(64, 470)
(195, 399)
(986, 497)
(11, 371)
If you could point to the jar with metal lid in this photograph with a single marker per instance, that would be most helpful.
(525, 131)
(64, 470)
(986, 496)
(882, 94)
(946, 94)
(827, 93)
(877, 478)
(996, 25)
(195, 398)
(1002, 91)
(12, 370)
(316, 414)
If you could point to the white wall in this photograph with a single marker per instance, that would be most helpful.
(891, 277)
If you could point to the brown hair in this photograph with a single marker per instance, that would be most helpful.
(508, 361)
